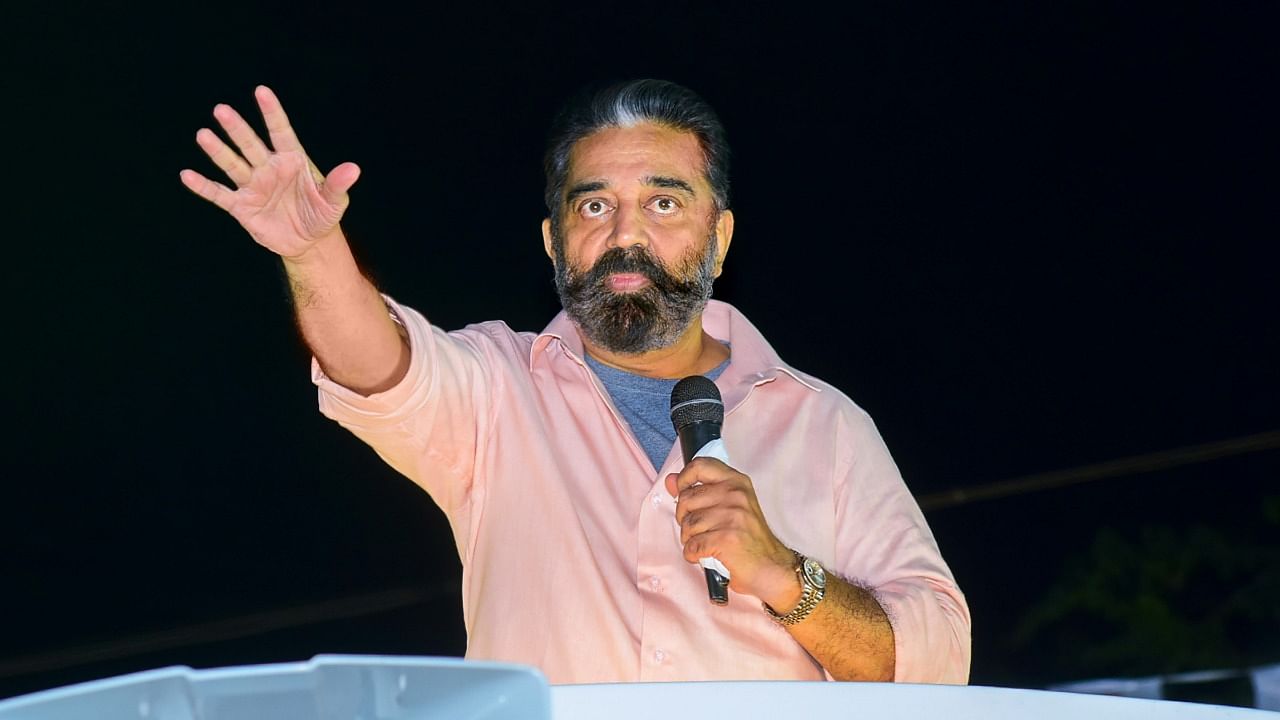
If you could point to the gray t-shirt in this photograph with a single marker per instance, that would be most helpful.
(645, 403)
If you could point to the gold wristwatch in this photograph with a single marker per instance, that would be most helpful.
(813, 581)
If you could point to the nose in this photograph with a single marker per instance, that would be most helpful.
(629, 228)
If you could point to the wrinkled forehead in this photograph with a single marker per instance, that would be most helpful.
(618, 155)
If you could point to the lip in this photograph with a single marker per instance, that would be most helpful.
(627, 282)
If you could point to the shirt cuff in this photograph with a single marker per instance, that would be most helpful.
(392, 405)
(930, 634)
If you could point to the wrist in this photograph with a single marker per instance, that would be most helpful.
(813, 580)
(323, 250)
(327, 274)
(783, 590)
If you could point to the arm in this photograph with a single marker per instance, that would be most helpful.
(413, 393)
(848, 632)
(289, 207)
(344, 320)
(915, 628)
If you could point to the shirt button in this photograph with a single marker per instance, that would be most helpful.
(657, 500)
(655, 583)
(659, 656)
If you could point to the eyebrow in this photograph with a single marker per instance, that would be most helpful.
(583, 188)
(662, 181)
(669, 182)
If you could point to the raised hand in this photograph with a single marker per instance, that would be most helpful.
(280, 197)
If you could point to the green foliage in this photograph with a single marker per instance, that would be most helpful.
(1160, 600)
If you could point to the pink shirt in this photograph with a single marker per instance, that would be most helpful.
(569, 545)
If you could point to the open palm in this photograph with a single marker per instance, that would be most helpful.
(280, 197)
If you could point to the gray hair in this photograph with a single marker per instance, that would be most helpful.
(628, 104)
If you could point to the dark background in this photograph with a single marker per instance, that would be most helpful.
(1024, 236)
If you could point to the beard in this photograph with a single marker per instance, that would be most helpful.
(650, 318)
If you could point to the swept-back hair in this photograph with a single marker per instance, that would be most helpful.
(627, 104)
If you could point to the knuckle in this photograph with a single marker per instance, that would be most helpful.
(701, 464)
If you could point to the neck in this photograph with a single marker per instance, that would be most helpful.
(694, 353)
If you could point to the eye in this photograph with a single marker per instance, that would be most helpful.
(665, 205)
(593, 208)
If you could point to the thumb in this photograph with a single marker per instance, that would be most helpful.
(671, 484)
(339, 181)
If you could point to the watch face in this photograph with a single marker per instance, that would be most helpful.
(815, 573)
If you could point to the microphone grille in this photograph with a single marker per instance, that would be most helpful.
(695, 399)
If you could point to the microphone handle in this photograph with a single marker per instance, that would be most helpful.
(694, 437)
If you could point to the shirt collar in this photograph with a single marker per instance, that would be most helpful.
(752, 359)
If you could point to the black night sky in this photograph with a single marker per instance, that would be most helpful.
(1025, 237)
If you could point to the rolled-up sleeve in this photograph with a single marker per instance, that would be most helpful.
(885, 544)
(430, 425)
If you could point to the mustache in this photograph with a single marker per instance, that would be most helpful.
(635, 259)
(649, 318)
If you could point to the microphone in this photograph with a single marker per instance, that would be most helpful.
(697, 412)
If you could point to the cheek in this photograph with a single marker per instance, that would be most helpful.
(676, 243)
(578, 254)
(584, 242)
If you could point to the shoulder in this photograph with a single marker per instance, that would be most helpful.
(495, 341)
(494, 331)
(847, 424)
(827, 398)
(490, 342)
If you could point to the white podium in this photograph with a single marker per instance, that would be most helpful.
(351, 687)
(862, 701)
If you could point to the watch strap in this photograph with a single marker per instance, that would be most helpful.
(810, 596)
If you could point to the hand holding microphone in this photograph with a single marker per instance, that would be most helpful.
(722, 526)
(697, 412)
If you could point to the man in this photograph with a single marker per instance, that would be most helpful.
(577, 523)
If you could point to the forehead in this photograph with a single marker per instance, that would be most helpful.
(618, 155)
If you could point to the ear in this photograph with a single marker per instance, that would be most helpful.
(724, 235)
(546, 239)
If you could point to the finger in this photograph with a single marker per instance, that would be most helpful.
(714, 510)
(339, 181)
(224, 157)
(283, 138)
(707, 544)
(215, 193)
(703, 470)
(250, 145)
(695, 498)
(698, 522)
